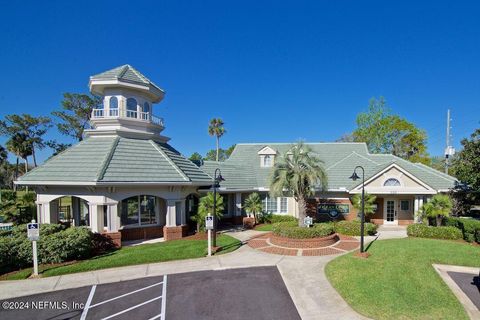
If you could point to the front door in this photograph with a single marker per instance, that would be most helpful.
(390, 212)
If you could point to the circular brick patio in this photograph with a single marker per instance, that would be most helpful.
(334, 244)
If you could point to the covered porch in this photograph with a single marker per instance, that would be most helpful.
(397, 210)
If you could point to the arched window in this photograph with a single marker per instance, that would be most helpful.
(146, 107)
(131, 108)
(392, 182)
(113, 105)
(267, 161)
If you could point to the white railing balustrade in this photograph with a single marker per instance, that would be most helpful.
(114, 113)
(97, 113)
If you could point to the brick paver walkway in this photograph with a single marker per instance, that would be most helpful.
(264, 243)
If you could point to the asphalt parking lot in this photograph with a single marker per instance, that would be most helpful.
(255, 293)
(470, 285)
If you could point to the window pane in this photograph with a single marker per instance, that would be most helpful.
(283, 205)
(405, 205)
(146, 107)
(272, 204)
(267, 161)
(130, 211)
(84, 213)
(147, 210)
(113, 103)
(392, 182)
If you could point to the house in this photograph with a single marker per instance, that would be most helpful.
(125, 179)
(401, 187)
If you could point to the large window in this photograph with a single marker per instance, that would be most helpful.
(113, 105)
(139, 210)
(274, 205)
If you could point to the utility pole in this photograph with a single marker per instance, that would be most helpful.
(449, 150)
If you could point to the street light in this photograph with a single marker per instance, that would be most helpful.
(217, 178)
(355, 177)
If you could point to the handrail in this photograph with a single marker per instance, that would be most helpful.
(129, 114)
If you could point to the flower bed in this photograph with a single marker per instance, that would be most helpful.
(304, 243)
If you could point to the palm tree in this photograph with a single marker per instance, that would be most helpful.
(253, 205)
(205, 207)
(19, 145)
(215, 128)
(299, 172)
(369, 203)
(438, 207)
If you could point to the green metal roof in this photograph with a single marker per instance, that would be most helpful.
(125, 73)
(242, 170)
(117, 159)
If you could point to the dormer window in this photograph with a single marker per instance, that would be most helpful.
(391, 182)
(113, 106)
(267, 161)
(131, 108)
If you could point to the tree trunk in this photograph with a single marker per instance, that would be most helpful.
(16, 176)
(217, 148)
(34, 157)
(439, 221)
(302, 211)
(26, 164)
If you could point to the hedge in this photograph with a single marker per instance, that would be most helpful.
(292, 230)
(275, 218)
(470, 227)
(423, 231)
(352, 228)
(57, 244)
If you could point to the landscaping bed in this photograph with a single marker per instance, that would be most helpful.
(398, 281)
(304, 243)
(125, 256)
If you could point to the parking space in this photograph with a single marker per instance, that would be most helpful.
(256, 293)
(469, 284)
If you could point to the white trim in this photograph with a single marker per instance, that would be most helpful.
(404, 171)
(267, 151)
(99, 183)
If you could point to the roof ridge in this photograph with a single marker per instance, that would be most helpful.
(286, 143)
(173, 164)
(432, 171)
(344, 158)
(358, 154)
(123, 71)
(107, 159)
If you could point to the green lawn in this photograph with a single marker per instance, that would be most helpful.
(398, 281)
(264, 227)
(147, 253)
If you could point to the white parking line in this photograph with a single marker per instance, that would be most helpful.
(126, 294)
(131, 308)
(164, 299)
(87, 304)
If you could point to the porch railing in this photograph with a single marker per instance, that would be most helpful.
(130, 114)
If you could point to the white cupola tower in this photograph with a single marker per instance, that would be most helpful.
(128, 98)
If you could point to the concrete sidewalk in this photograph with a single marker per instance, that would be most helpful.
(304, 277)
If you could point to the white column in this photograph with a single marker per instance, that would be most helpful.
(46, 213)
(112, 218)
(416, 207)
(238, 204)
(171, 213)
(39, 213)
(183, 213)
(96, 217)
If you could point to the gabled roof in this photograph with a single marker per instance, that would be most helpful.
(125, 73)
(243, 171)
(114, 160)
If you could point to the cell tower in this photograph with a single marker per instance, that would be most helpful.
(449, 150)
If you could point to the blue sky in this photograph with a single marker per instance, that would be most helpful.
(274, 71)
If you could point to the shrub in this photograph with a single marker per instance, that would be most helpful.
(352, 228)
(265, 218)
(470, 227)
(424, 231)
(290, 229)
(57, 244)
(276, 218)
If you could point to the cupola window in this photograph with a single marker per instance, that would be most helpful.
(392, 182)
(113, 107)
(131, 108)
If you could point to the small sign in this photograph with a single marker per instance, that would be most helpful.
(333, 209)
(33, 231)
(308, 221)
(209, 222)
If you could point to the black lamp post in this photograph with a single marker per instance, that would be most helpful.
(355, 177)
(217, 178)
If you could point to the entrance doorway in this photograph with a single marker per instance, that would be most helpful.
(390, 212)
